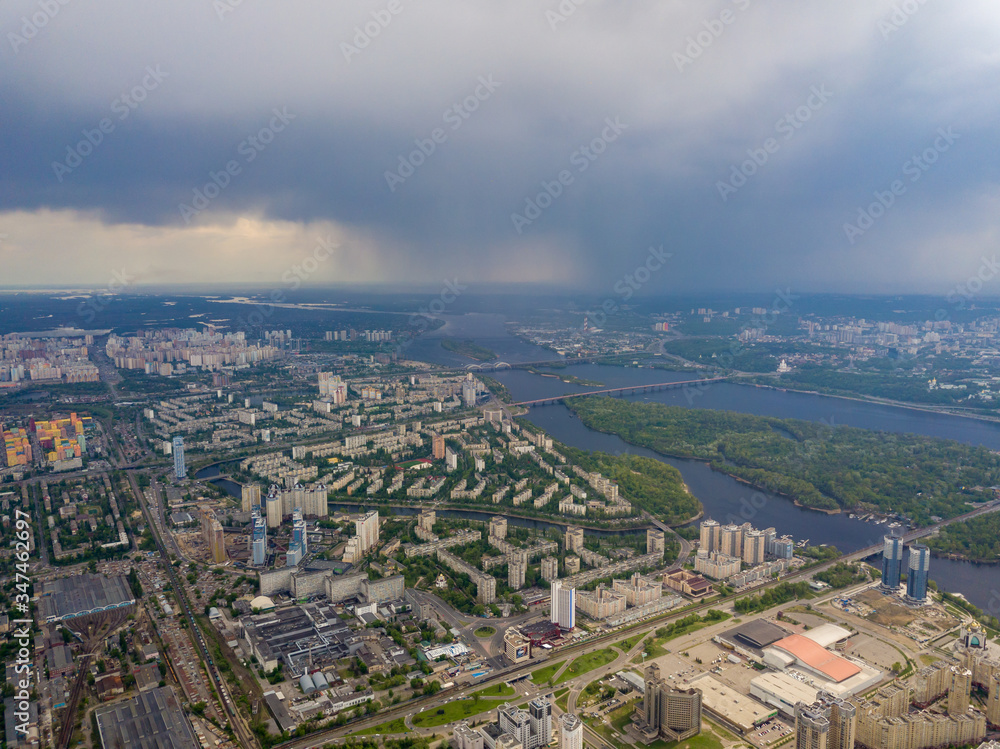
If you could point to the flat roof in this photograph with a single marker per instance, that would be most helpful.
(757, 634)
(151, 720)
(818, 658)
(789, 689)
(738, 709)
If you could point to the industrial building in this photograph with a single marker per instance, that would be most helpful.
(729, 707)
(150, 720)
(751, 638)
(299, 637)
(79, 595)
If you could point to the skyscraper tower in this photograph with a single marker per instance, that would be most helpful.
(812, 726)
(892, 561)
(919, 569)
(180, 470)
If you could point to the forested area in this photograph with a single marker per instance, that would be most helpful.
(828, 468)
(647, 483)
(977, 539)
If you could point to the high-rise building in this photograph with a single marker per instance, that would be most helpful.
(731, 540)
(273, 507)
(467, 738)
(710, 535)
(668, 713)
(469, 393)
(540, 719)
(258, 538)
(892, 561)
(426, 520)
(251, 497)
(958, 694)
(498, 527)
(572, 731)
(517, 567)
(918, 570)
(437, 447)
(563, 606)
(655, 541)
(486, 589)
(843, 720)
(517, 723)
(214, 537)
(550, 569)
(754, 544)
(180, 470)
(993, 698)
(600, 603)
(574, 539)
(637, 591)
(812, 726)
(366, 529)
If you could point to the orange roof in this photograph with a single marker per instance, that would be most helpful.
(818, 658)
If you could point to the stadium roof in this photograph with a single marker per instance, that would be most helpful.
(818, 658)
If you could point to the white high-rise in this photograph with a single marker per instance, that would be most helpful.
(563, 605)
(572, 731)
(366, 530)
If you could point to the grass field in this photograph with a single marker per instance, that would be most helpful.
(542, 675)
(452, 711)
(629, 643)
(485, 632)
(562, 699)
(497, 690)
(392, 726)
(586, 663)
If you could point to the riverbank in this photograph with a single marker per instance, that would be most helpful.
(926, 408)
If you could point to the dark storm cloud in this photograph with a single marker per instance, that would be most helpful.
(476, 136)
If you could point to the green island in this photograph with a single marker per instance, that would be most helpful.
(976, 540)
(468, 348)
(485, 631)
(821, 467)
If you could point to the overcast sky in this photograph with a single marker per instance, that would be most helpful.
(501, 141)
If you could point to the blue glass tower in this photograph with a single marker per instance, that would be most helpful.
(919, 568)
(892, 561)
(180, 470)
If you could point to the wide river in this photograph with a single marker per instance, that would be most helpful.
(724, 498)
